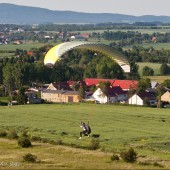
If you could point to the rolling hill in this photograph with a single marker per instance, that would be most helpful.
(15, 14)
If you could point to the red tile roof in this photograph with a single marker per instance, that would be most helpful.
(124, 84)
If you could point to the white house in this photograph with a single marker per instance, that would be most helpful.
(99, 96)
(166, 97)
(141, 98)
(112, 94)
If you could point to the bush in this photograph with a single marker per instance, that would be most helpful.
(114, 157)
(129, 156)
(24, 142)
(3, 133)
(59, 142)
(94, 144)
(29, 158)
(158, 165)
(36, 138)
(12, 134)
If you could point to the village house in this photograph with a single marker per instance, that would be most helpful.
(154, 84)
(60, 96)
(112, 95)
(166, 97)
(59, 86)
(32, 96)
(143, 98)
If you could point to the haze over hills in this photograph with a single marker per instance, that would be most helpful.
(15, 14)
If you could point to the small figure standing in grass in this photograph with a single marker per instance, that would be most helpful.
(86, 130)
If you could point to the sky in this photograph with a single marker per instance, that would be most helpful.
(130, 7)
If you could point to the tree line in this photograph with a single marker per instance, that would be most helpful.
(74, 65)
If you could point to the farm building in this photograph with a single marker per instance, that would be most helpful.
(166, 97)
(142, 98)
(60, 96)
(113, 94)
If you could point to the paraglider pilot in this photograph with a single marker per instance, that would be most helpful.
(86, 130)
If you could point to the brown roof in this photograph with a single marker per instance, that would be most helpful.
(149, 95)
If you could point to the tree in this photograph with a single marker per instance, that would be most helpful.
(12, 77)
(147, 71)
(164, 69)
(21, 97)
(159, 92)
(104, 87)
(81, 92)
(166, 83)
(8, 78)
(134, 71)
(143, 84)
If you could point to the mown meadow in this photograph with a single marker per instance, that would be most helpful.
(120, 127)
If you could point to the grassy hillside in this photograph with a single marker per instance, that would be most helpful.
(120, 127)
(59, 157)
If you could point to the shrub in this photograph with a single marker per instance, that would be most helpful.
(3, 133)
(114, 157)
(129, 156)
(94, 144)
(59, 142)
(12, 134)
(36, 138)
(158, 165)
(29, 158)
(24, 142)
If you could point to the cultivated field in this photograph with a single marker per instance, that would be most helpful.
(119, 127)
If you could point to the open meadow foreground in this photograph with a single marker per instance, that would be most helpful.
(54, 132)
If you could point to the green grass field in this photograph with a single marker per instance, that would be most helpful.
(145, 30)
(156, 68)
(120, 127)
(13, 47)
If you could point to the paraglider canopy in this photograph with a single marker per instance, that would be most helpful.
(55, 53)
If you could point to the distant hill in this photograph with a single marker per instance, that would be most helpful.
(15, 14)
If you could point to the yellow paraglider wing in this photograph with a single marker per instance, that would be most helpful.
(55, 53)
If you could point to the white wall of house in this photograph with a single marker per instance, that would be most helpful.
(99, 96)
(135, 99)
